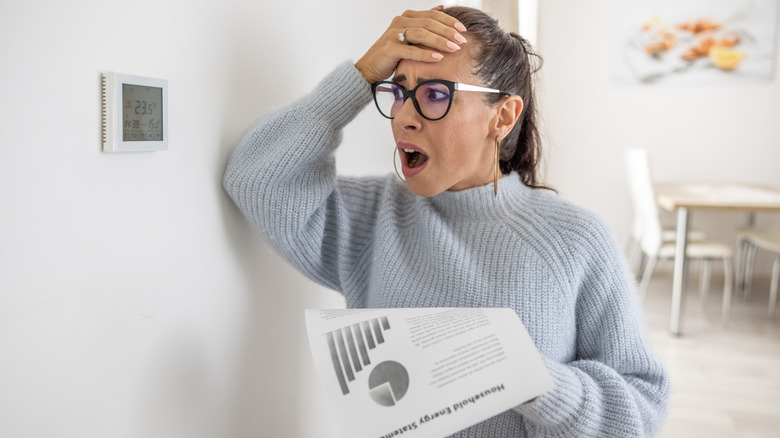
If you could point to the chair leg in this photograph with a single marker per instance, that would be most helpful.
(741, 247)
(704, 281)
(744, 271)
(728, 282)
(641, 264)
(633, 255)
(773, 290)
(750, 261)
(643, 285)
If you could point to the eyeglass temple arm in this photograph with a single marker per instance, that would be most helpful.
(467, 87)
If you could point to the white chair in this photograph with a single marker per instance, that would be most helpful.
(652, 244)
(634, 251)
(748, 242)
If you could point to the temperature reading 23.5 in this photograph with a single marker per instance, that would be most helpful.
(142, 113)
(135, 113)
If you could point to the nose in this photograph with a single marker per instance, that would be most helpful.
(407, 118)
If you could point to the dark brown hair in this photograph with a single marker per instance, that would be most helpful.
(506, 61)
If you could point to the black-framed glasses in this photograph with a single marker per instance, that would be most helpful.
(432, 99)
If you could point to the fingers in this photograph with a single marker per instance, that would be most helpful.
(433, 29)
(415, 53)
(426, 36)
(442, 39)
(437, 15)
(431, 32)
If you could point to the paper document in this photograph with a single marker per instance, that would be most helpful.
(422, 372)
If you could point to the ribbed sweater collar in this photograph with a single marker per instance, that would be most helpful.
(479, 202)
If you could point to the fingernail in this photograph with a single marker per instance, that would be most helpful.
(460, 38)
(439, 8)
(460, 26)
(453, 46)
(437, 56)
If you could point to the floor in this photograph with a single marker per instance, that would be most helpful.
(726, 381)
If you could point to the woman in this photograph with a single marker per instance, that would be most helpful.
(469, 227)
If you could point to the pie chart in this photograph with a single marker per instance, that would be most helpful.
(388, 382)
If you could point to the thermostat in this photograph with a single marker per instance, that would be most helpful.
(135, 113)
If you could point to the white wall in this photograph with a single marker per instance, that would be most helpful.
(136, 301)
(704, 133)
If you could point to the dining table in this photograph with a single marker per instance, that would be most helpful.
(684, 198)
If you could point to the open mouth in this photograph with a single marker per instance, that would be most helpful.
(414, 158)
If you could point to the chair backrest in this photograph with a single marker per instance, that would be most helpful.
(640, 186)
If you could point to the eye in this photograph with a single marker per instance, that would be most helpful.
(397, 93)
(434, 95)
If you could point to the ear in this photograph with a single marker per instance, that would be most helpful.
(507, 113)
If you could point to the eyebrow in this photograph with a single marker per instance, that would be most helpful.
(402, 78)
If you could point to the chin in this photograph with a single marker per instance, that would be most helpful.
(423, 190)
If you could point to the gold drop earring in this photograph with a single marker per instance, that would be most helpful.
(495, 169)
(395, 166)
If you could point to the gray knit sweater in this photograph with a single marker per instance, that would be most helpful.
(557, 265)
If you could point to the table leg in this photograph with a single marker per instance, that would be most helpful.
(680, 271)
(750, 222)
(742, 250)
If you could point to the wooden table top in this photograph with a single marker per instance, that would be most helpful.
(728, 196)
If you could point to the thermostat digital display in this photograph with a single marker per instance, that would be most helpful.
(134, 113)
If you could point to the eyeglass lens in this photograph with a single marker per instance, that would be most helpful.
(433, 99)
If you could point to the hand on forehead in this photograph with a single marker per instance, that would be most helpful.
(456, 67)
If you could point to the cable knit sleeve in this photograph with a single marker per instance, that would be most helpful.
(614, 386)
(282, 177)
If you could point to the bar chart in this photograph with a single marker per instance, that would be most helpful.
(349, 348)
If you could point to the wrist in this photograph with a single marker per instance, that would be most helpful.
(368, 73)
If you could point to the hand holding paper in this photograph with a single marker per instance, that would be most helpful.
(423, 372)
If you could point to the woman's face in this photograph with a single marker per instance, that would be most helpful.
(456, 151)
